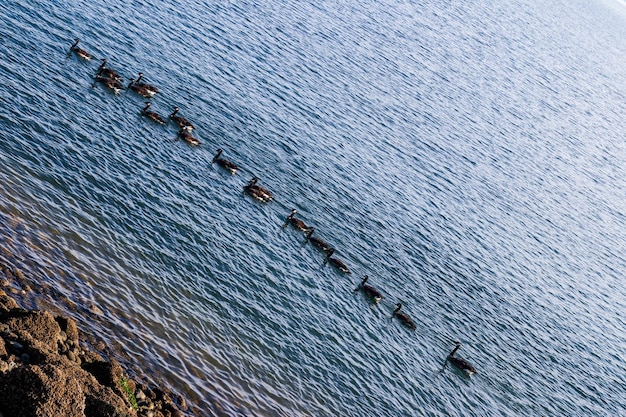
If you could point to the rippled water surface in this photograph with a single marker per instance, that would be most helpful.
(469, 157)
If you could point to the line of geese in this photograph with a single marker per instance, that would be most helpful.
(112, 80)
(368, 290)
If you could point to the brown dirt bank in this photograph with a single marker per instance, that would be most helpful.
(46, 371)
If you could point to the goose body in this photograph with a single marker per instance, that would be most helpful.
(152, 115)
(180, 121)
(318, 243)
(143, 92)
(403, 317)
(224, 163)
(105, 72)
(109, 83)
(188, 137)
(148, 87)
(370, 291)
(81, 53)
(336, 262)
(296, 223)
(460, 363)
(257, 192)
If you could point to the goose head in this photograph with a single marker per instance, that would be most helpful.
(217, 155)
(364, 280)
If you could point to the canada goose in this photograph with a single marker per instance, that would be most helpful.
(181, 121)
(103, 71)
(257, 192)
(143, 92)
(296, 223)
(318, 243)
(188, 137)
(336, 262)
(144, 85)
(368, 290)
(81, 53)
(403, 317)
(152, 115)
(224, 163)
(460, 363)
(109, 83)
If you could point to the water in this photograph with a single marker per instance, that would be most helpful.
(467, 157)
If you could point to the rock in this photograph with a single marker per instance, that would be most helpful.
(41, 326)
(107, 373)
(41, 373)
(89, 356)
(68, 326)
(105, 404)
(62, 335)
(41, 391)
(6, 303)
(16, 346)
(140, 396)
(100, 345)
(94, 309)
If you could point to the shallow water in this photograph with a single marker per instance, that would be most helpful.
(467, 157)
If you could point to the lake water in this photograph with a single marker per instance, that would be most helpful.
(469, 157)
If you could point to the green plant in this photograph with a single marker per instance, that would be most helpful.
(129, 393)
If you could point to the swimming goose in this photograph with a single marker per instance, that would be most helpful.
(224, 163)
(318, 243)
(81, 53)
(368, 290)
(103, 71)
(109, 83)
(142, 91)
(181, 121)
(403, 317)
(257, 192)
(144, 85)
(152, 115)
(296, 223)
(336, 262)
(188, 137)
(460, 363)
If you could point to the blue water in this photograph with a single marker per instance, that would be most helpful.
(468, 157)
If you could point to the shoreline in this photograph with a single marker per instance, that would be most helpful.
(48, 367)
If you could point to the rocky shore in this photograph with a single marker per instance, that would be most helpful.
(46, 371)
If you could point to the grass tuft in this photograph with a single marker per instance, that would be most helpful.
(129, 393)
